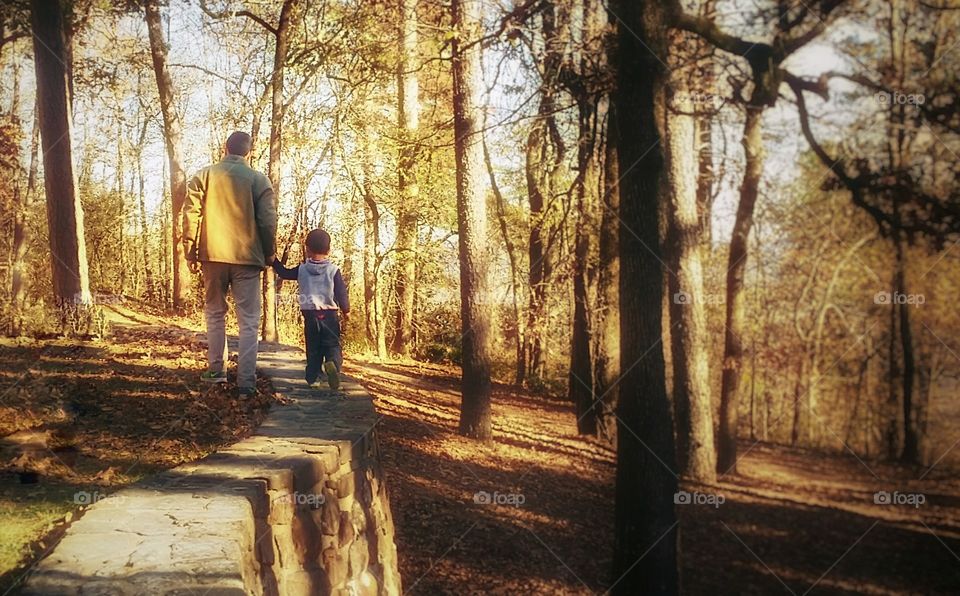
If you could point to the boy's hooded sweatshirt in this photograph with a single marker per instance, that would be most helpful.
(321, 285)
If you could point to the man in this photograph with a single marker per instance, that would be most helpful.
(230, 229)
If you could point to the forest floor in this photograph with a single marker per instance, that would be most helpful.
(790, 522)
(532, 511)
(81, 419)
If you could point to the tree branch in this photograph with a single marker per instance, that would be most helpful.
(709, 31)
(224, 14)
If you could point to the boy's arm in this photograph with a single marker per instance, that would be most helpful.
(285, 272)
(340, 293)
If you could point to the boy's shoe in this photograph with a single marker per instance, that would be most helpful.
(247, 391)
(213, 377)
(333, 375)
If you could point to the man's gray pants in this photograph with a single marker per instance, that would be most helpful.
(218, 278)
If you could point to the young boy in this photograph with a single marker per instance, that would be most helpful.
(322, 291)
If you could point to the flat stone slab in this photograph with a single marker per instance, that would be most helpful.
(262, 516)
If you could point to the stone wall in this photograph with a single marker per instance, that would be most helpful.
(299, 508)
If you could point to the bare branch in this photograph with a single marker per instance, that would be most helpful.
(224, 14)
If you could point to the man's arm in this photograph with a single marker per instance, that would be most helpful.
(192, 216)
(285, 272)
(266, 216)
(340, 293)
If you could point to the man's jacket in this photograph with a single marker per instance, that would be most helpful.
(229, 215)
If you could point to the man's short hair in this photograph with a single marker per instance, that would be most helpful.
(318, 242)
(239, 143)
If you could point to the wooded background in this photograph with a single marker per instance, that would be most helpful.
(733, 219)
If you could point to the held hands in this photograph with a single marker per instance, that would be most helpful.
(270, 259)
(194, 267)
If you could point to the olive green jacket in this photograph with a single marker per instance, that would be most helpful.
(229, 215)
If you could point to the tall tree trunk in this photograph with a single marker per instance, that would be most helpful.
(892, 431)
(736, 270)
(165, 252)
(145, 232)
(706, 177)
(172, 136)
(580, 385)
(911, 442)
(539, 260)
(608, 298)
(645, 550)
(691, 374)
(545, 153)
(372, 301)
(71, 286)
(18, 293)
(281, 47)
(476, 306)
(122, 216)
(501, 206)
(408, 116)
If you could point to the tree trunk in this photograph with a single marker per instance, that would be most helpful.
(476, 306)
(122, 216)
(269, 323)
(539, 260)
(172, 137)
(911, 442)
(145, 231)
(645, 551)
(691, 374)
(706, 177)
(736, 270)
(892, 433)
(408, 116)
(501, 206)
(581, 379)
(68, 252)
(544, 157)
(608, 298)
(372, 302)
(18, 293)
(797, 399)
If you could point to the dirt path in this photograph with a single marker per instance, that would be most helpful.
(793, 522)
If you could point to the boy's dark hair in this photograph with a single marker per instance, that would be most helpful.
(239, 143)
(318, 242)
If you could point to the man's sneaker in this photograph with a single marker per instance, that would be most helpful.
(247, 391)
(333, 375)
(213, 377)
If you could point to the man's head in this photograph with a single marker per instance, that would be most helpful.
(318, 243)
(239, 143)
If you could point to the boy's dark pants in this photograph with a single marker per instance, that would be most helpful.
(321, 328)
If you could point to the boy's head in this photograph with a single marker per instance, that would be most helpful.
(318, 243)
